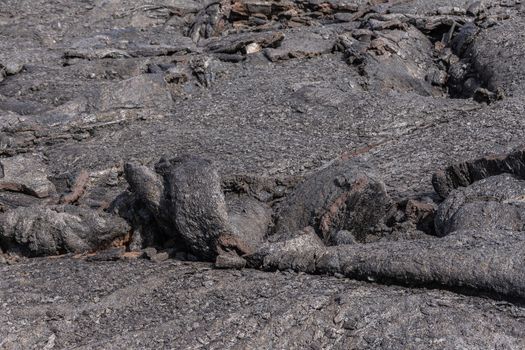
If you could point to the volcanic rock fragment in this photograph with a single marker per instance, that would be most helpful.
(202, 69)
(497, 202)
(110, 254)
(299, 253)
(343, 196)
(12, 200)
(230, 261)
(39, 231)
(10, 68)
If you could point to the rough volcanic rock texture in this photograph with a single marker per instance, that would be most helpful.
(496, 202)
(58, 229)
(144, 305)
(186, 198)
(457, 262)
(274, 91)
(343, 196)
(249, 218)
(465, 173)
(26, 174)
(195, 203)
(145, 185)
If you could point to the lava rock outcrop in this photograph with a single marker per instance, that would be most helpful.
(53, 230)
(343, 196)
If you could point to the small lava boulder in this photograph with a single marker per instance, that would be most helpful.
(298, 253)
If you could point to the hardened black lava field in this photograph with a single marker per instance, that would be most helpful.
(256, 174)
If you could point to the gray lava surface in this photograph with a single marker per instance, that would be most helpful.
(257, 174)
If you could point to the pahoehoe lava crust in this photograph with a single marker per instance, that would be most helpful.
(247, 174)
